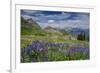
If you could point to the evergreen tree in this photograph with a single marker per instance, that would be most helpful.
(81, 36)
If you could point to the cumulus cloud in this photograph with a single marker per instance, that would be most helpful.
(51, 21)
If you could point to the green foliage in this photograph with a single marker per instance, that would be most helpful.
(82, 36)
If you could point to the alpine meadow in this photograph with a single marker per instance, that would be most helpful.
(48, 36)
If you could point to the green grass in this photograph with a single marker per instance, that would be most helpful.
(27, 39)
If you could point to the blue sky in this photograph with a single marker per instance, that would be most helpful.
(62, 20)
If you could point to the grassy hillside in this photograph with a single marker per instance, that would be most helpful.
(32, 31)
(50, 44)
(30, 28)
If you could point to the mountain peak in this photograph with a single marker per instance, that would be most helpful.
(30, 20)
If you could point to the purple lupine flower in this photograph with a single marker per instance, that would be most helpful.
(78, 49)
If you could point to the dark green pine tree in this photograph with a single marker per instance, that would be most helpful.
(84, 38)
(87, 38)
(81, 36)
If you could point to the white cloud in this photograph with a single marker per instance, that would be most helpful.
(51, 21)
(58, 16)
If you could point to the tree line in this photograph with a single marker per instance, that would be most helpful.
(83, 36)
